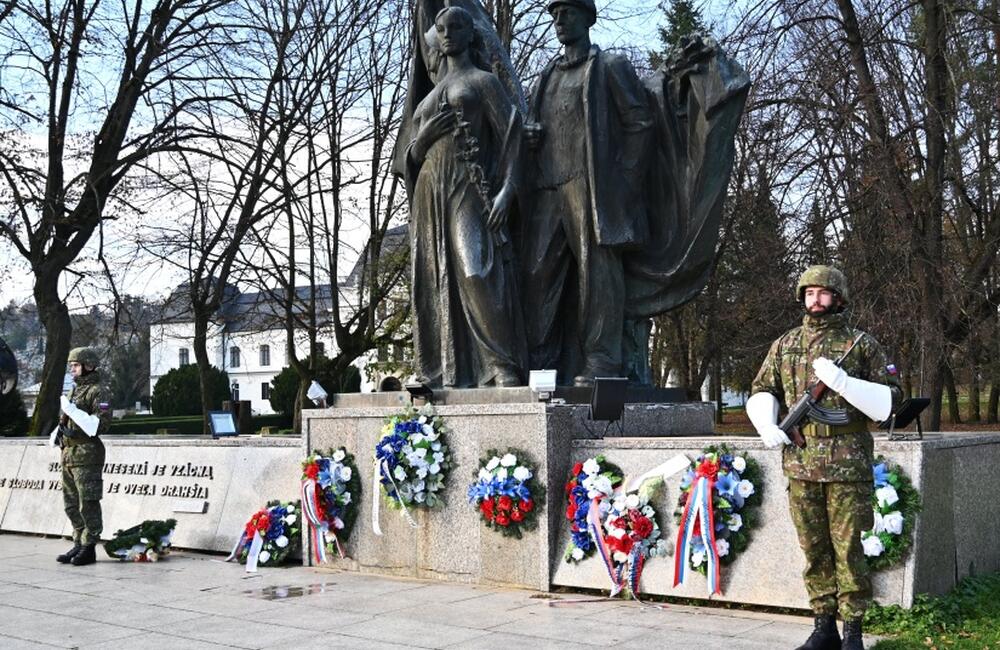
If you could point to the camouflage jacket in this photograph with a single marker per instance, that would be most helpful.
(90, 396)
(831, 454)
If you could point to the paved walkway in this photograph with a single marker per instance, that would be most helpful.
(196, 601)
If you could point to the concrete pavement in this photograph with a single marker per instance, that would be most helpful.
(196, 601)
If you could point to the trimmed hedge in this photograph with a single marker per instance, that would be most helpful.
(185, 425)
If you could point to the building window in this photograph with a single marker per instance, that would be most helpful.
(265, 356)
(236, 391)
(320, 349)
(234, 357)
(265, 390)
(183, 357)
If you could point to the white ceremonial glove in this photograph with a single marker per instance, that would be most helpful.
(84, 420)
(871, 398)
(762, 409)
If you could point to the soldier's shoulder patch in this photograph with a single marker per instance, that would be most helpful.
(104, 406)
(891, 369)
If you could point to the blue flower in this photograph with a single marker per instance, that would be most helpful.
(726, 484)
(582, 540)
(880, 475)
(686, 479)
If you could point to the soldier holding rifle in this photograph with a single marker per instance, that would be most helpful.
(829, 469)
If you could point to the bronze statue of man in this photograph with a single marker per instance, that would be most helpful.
(589, 131)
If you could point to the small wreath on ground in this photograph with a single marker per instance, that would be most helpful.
(895, 503)
(594, 479)
(147, 542)
(412, 459)
(734, 482)
(271, 536)
(331, 491)
(505, 493)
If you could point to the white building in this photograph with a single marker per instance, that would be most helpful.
(247, 337)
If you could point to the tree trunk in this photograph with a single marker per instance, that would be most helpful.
(994, 402)
(200, 345)
(974, 414)
(949, 385)
(300, 402)
(54, 316)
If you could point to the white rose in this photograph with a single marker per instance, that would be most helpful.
(427, 429)
(339, 455)
(435, 468)
(144, 540)
(745, 488)
(735, 522)
(739, 464)
(722, 547)
(338, 523)
(484, 474)
(879, 523)
(619, 504)
(422, 419)
(577, 553)
(872, 546)
(290, 519)
(697, 558)
(345, 498)
(492, 465)
(591, 467)
(632, 501)
(281, 542)
(508, 460)
(617, 533)
(435, 446)
(502, 473)
(886, 496)
(603, 485)
(893, 522)
(422, 472)
(263, 557)
(345, 474)
(522, 473)
(648, 511)
(620, 557)
(399, 473)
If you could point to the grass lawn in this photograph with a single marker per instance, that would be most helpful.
(967, 618)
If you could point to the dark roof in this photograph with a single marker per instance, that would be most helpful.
(395, 239)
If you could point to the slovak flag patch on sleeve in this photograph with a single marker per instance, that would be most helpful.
(891, 369)
(104, 406)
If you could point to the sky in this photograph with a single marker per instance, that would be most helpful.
(618, 26)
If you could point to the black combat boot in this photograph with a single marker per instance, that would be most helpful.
(69, 555)
(852, 636)
(85, 556)
(824, 636)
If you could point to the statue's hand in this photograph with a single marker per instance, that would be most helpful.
(534, 133)
(432, 130)
(500, 209)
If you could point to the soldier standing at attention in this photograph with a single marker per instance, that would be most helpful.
(830, 479)
(83, 456)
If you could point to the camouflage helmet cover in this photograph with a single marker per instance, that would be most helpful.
(821, 275)
(587, 5)
(84, 356)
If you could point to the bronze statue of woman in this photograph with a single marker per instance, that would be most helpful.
(461, 173)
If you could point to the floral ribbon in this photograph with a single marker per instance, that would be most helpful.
(319, 528)
(255, 547)
(698, 509)
(383, 468)
(600, 541)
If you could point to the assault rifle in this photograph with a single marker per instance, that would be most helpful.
(808, 405)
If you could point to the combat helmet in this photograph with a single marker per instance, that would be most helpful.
(587, 5)
(822, 275)
(85, 357)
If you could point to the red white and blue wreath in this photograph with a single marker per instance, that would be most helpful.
(331, 489)
(505, 494)
(411, 463)
(590, 484)
(895, 503)
(271, 536)
(716, 511)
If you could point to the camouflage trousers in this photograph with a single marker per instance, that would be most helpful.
(82, 487)
(829, 519)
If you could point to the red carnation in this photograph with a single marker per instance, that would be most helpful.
(503, 519)
(527, 505)
(487, 508)
(516, 515)
(312, 471)
(708, 469)
(577, 469)
(571, 510)
(570, 486)
(641, 527)
(618, 522)
(621, 544)
(505, 502)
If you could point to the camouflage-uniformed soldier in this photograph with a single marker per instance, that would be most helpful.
(830, 480)
(83, 457)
